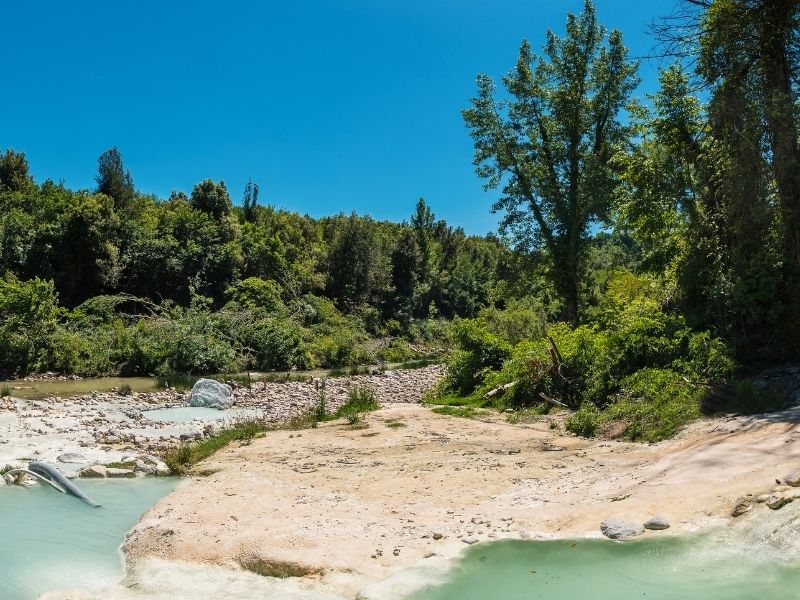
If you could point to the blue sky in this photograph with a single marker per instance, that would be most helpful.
(329, 106)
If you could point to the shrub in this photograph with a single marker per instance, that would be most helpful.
(273, 344)
(584, 421)
(478, 351)
(516, 323)
(257, 293)
(360, 399)
(654, 404)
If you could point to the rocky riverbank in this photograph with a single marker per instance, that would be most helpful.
(103, 428)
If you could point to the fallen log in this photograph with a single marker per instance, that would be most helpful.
(499, 389)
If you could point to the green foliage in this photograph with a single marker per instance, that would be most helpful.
(654, 403)
(584, 421)
(28, 317)
(113, 180)
(14, 175)
(360, 399)
(638, 365)
(478, 351)
(256, 293)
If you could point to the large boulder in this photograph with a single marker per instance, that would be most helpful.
(211, 394)
(617, 529)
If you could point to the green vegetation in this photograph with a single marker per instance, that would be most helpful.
(182, 458)
(5, 391)
(114, 281)
(658, 239)
(360, 399)
(466, 412)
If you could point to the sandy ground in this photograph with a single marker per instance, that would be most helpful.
(352, 508)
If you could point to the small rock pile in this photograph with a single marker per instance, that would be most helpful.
(776, 498)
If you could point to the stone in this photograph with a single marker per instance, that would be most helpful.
(94, 472)
(793, 479)
(742, 506)
(469, 540)
(120, 473)
(211, 394)
(775, 502)
(656, 523)
(437, 536)
(72, 457)
(762, 498)
(619, 529)
(162, 469)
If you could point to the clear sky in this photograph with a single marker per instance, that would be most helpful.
(330, 106)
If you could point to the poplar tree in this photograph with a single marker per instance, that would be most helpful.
(549, 143)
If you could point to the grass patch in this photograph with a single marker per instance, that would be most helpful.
(529, 414)
(360, 399)
(466, 412)
(5, 391)
(394, 424)
(181, 459)
(420, 363)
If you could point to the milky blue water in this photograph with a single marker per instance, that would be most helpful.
(51, 541)
(185, 414)
(708, 567)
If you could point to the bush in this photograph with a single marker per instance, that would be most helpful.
(273, 344)
(342, 348)
(654, 404)
(360, 399)
(255, 293)
(584, 421)
(478, 351)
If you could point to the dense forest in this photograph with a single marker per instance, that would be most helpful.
(106, 280)
(648, 258)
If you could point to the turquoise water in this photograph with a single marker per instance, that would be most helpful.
(698, 567)
(185, 414)
(51, 541)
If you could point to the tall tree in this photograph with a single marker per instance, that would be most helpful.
(405, 264)
(14, 176)
(113, 180)
(550, 143)
(250, 201)
(211, 198)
